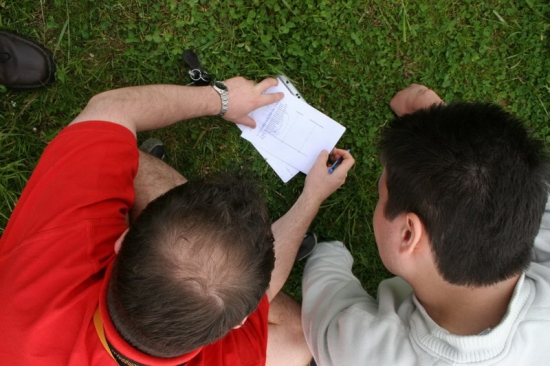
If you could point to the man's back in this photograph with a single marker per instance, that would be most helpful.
(59, 244)
(396, 330)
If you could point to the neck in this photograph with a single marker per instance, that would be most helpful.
(466, 310)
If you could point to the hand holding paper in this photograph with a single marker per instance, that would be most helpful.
(291, 131)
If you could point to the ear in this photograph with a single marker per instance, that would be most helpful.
(240, 325)
(412, 234)
(118, 243)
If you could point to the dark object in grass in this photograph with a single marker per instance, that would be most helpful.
(198, 75)
(154, 147)
(307, 246)
(24, 64)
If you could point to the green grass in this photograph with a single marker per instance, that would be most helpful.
(348, 58)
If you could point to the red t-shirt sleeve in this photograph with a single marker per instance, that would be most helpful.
(85, 173)
(58, 241)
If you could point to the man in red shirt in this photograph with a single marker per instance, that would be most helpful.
(192, 283)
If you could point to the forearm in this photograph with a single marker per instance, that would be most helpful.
(149, 107)
(289, 232)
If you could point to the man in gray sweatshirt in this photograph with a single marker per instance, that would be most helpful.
(462, 197)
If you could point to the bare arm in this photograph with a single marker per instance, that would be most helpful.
(290, 229)
(149, 107)
(413, 98)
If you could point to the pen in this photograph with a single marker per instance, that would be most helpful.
(336, 163)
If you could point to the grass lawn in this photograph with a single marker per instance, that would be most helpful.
(348, 58)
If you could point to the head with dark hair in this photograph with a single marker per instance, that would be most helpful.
(194, 265)
(477, 181)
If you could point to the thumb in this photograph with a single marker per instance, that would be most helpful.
(323, 155)
(247, 121)
(322, 159)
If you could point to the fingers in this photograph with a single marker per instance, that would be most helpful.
(413, 98)
(267, 83)
(347, 161)
(337, 153)
(247, 121)
(322, 158)
(320, 167)
(320, 183)
(246, 96)
(322, 164)
(271, 98)
(404, 101)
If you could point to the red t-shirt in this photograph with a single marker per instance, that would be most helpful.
(58, 245)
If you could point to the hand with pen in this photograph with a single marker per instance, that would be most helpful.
(336, 163)
(320, 182)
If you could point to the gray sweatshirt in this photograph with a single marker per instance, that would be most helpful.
(345, 326)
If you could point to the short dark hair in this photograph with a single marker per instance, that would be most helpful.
(196, 262)
(477, 180)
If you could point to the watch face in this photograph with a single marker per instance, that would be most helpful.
(220, 85)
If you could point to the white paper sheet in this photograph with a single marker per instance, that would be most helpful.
(293, 131)
(284, 171)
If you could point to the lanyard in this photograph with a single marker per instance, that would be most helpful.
(116, 355)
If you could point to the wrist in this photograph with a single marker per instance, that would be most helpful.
(207, 101)
(310, 200)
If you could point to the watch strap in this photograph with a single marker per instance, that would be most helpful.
(223, 91)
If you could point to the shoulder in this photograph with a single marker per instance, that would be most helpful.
(358, 336)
